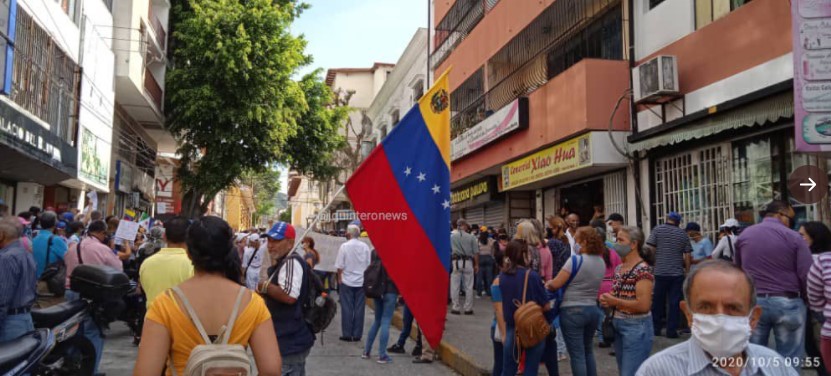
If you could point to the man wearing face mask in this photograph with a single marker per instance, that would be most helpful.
(720, 302)
(778, 260)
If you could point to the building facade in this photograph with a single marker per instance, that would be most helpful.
(723, 145)
(533, 88)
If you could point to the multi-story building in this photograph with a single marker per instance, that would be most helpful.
(56, 106)
(533, 88)
(238, 207)
(140, 35)
(306, 197)
(719, 144)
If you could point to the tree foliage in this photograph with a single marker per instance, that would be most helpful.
(357, 128)
(285, 216)
(265, 185)
(230, 98)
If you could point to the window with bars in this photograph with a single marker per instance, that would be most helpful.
(46, 82)
(697, 185)
(602, 39)
(707, 11)
(462, 17)
(468, 104)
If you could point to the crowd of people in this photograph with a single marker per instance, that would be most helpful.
(605, 285)
(608, 283)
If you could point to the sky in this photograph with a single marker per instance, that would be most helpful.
(356, 34)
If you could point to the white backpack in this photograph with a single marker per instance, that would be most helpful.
(218, 357)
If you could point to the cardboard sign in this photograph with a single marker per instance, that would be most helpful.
(127, 230)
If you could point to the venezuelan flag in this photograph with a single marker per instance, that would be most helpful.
(402, 192)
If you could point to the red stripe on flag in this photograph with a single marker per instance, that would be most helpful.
(404, 248)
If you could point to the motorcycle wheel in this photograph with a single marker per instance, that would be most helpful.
(79, 359)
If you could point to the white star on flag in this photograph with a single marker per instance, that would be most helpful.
(422, 177)
(445, 204)
(408, 171)
(436, 189)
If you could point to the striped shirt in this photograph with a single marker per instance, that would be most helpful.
(671, 243)
(687, 358)
(819, 289)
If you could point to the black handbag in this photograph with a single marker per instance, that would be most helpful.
(54, 274)
(608, 328)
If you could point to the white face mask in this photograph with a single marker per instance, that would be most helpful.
(721, 335)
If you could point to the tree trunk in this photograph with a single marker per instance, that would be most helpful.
(192, 206)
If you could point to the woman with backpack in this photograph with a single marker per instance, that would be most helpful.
(578, 312)
(384, 296)
(512, 287)
(210, 309)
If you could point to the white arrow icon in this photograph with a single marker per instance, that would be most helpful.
(812, 184)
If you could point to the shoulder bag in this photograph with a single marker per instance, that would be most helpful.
(608, 328)
(54, 274)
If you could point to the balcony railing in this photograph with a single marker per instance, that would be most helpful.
(462, 17)
(536, 56)
(153, 88)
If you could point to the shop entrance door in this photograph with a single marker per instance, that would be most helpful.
(582, 198)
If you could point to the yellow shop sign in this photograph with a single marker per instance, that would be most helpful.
(567, 156)
(470, 192)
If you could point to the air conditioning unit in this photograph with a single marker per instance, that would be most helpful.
(655, 79)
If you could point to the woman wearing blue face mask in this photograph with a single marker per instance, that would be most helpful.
(631, 301)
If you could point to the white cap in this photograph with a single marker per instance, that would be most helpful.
(241, 236)
(732, 222)
(253, 238)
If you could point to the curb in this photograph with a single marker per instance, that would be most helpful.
(448, 354)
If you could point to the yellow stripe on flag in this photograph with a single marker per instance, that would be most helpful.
(435, 109)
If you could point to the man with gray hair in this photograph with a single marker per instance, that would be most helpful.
(720, 302)
(17, 282)
(465, 262)
(353, 259)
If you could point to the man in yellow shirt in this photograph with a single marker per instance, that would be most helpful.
(170, 266)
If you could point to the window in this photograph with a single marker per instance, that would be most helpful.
(707, 11)
(654, 3)
(600, 40)
(46, 82)
(418, 91)
(395, 117)
(70, 7)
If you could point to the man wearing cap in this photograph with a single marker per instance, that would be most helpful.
(353, 258)
(778, 260)
(672, 260)
(701, 245)
(284, 293)
(465, 263)
(252, 260)
(169, 266)
(726, 247)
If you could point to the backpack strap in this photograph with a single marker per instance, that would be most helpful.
(525, 287)
(48, 249)
(254, 254)
(192, 314)
(730, 243)
(228, 327)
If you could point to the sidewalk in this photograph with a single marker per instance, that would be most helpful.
(468, 350)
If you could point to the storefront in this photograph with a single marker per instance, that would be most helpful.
(583, 175)
(728, 165)
(479, 202)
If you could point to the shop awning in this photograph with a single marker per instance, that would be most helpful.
(767, 110)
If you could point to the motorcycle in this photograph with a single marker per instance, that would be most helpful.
(101, 291)
(23, 355)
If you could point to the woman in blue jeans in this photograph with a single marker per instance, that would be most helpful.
(511, 286)
(631, 301)
(578, 312)
(384, 308)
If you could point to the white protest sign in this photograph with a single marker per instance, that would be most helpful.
(327, 246)
(127, 230)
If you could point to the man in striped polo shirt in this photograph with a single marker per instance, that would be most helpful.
(672, 261)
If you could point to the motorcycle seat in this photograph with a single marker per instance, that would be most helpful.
(14, 352)
(56, 314)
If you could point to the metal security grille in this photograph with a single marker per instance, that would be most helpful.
(614, 193)
(495, 214)
(475, 216)
(695, 184)
(469, 96)
(462, 17)
(45, 80)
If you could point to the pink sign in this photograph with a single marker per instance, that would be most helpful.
(812, 74)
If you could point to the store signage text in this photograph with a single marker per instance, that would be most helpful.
(27, 132)
(510, 118)
(564, 157)
(470, 192)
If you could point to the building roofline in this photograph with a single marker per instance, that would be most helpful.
(330, 73)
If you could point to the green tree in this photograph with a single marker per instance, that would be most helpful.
(231, 101)
(285, 216)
